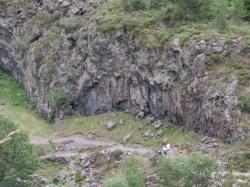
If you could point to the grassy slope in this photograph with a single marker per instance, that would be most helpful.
(136, 127)
(18, 109)
(150, 28)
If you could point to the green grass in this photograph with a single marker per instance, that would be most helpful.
(18, 109)
(149, 25)
(70, 24)
(137, 128)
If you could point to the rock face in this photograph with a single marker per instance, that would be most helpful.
(103, 72)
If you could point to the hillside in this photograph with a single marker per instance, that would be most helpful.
(97, 73)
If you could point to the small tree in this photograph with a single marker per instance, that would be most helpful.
(194, 170)
(221, 12)
(134, 174)
(17, 160)
(247, 8)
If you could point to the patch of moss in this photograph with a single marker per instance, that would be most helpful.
(71, 24)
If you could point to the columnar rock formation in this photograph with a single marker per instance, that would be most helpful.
(103, 72)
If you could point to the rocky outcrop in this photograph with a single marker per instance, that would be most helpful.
(103, 72)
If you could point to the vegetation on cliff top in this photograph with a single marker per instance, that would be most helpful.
(156, 22)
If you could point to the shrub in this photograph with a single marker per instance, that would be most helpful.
(133, 5)
(17, 159)
(156, 4)
(79, 178)
(241, 162)
(247, 7)
(194, 170)
(116, 182)
(60, 98)
(134, 173)
(70, 24)
(221, 12)
(244, 103)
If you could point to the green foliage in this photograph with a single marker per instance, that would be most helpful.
(70, 24)
(79, 179)
(133, 5)
(134, 173)
(217, 58)
(163, 20)
(11, 92)
(241, 162)
(116, 182)
(60, 98)
(221, 13)
(244, 76)
(17, 160)
(194, 170)
(247, 7)
(156, 4)
(244, 103)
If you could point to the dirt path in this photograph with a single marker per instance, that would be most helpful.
(2, 107)
(78, 141)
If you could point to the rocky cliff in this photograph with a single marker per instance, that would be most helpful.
(69, 67)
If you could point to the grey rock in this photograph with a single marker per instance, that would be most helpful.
(126, 138)
(110, 125)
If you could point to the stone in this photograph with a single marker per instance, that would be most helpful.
(159, 133)
(126, 138)
(149, 119)
(91, 136)
(140, 115)
(110, 125)
(121, 122)
(147, 134)
(158, 124)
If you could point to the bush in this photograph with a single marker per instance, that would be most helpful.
(241, 162)
(60, 98)
(116, 182)
(79, 178)
(247, 7)
(156, 4)
(221, 12)
(17, 159)
(244, 103)
(133, 5)
(70, 24)
(134, 173)
(194, 170)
